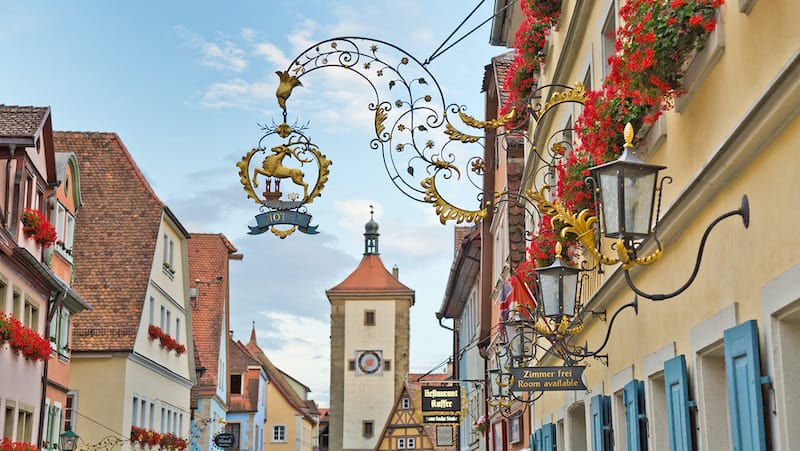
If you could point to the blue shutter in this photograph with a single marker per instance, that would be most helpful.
(635, 416)
(602, 439)
(548, 442)
(743, 377)
(537, 440)
(677, 391)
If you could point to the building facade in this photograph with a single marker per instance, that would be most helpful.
(370, 313)
(705, 368)
(132, 356)
(209, 295)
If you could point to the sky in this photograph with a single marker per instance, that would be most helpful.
(185, 85)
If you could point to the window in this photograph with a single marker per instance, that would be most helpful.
(29, 191)
(135, 411)
(69, 233)
(411, 443)
(31, 316)
(168, 323)
(169, 249)
(24, 425)
(405, 404)
(52, 423)
(279, 433)
(3, 293)
(61, 220)
(163, 317)
(70, 406)
(8, 427)
(387, 365)
(16, 304)
(369, 317)
(236, 384)
(152, 310)
(351, 365)
(367, 428)
(142, 412)
(602, 439)
(59, 331)
(152, 415)
(635, 417)
(401, 443)
(608, 38)
(178, 329)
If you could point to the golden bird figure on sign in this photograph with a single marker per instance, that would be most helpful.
(288, 82)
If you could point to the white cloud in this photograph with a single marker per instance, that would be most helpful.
(238, 93)
(272, 54)
(220, 55)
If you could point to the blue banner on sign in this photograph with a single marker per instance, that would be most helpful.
(266, 220)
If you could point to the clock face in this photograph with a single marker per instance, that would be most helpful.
(369, 362)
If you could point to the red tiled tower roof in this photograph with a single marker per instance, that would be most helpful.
(370, 277)
(115, 240)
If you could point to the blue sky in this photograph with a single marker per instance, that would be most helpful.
(184, 84)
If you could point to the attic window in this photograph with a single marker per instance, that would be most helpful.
(236, 384)
(405, 403)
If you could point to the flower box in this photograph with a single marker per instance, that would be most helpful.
(25, 341)
(34, 225)
(165, 340)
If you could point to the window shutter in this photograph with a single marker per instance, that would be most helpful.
(677, 391)
(635, 416)
(537, 440)
(602, 438)
(548, 442)
(743, 377)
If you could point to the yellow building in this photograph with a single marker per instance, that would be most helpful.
(292, 419)
(712, 367)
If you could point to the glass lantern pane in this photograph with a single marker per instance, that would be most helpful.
(570, 292)
(609, 190)
(549, 284)
(639, 187)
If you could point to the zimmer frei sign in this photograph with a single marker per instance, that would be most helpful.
(547, 378)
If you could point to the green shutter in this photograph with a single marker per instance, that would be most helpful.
(635, 416)
(602, 432)
(743, 377)
(676, 386)
(548, 442)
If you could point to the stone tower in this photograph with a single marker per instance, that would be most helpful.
(369, 348)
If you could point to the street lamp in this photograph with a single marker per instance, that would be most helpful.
(626, 196)
(558, 287)
(68, 440)
(627, 188)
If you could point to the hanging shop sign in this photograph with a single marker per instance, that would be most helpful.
(547, 378)
(225, 440)
(441, 399)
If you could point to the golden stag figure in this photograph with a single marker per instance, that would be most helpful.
(272, 166)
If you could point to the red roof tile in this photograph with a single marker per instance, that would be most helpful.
(21, 121)
(115, 237)
(370, 277)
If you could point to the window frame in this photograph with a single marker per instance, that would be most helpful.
(278, 434)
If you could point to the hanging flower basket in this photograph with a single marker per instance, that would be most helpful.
(34, 225)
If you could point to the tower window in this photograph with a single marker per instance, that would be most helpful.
(367, 428)
(351, 365)
(369, 317)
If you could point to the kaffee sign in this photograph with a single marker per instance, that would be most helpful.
(441, 399)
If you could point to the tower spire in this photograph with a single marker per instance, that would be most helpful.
(253, 334)
(371, 234)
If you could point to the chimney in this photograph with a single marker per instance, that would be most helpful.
(396, 272)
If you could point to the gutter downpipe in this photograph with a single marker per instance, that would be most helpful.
(7, 219)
